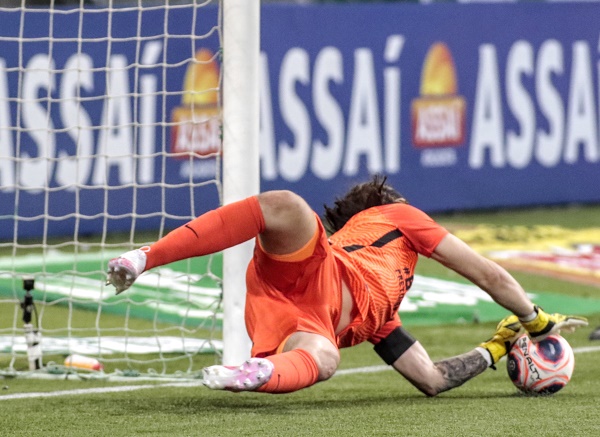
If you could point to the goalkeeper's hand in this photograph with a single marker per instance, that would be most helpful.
(124, 270)
(546, 324)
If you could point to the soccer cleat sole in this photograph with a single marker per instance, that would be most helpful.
(247, 377)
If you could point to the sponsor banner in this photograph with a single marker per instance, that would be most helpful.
(462, 106)
(107, 118)
(570, 254)
(169, 295)
(433, 301)
(109, 345)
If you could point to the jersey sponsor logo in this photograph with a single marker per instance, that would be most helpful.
(405, 281)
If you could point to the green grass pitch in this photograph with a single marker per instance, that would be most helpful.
(374, 403)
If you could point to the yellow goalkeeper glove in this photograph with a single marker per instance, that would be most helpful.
(545, 324)
(507, 332)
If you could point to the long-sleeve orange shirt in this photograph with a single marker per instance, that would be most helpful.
(375, 254)
(377, 251)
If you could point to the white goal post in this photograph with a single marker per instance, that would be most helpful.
(241, 174)
(120, 121)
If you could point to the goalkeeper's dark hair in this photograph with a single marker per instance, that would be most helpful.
(360, 197)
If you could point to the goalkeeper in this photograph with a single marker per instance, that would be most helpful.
(309, 295)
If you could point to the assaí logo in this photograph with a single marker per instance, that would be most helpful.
(197, 121)
(438, 115)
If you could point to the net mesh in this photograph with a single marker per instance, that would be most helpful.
(109, 138)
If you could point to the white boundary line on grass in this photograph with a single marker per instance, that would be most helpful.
(97, 390)
(127, 388)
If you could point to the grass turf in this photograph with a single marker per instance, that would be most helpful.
(360, 404)
(373, 404)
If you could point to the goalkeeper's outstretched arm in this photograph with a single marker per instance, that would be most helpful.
(411, 360)
(485, 273)
(434, 378)
(503, 288)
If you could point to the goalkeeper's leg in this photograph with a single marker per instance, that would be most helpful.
(283, 221)
(434, 378)
(307, 358)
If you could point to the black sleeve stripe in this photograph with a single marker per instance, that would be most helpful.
(353, 247)
(387, 238)
(380, 242)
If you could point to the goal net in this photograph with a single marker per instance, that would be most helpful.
(111, 135)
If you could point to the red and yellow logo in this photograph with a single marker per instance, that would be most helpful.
(197, 122)
(438, 116)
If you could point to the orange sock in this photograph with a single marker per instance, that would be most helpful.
(212, 232)
(292, 371)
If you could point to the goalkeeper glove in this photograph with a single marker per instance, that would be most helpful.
(507, 332)
(124, 270)
(545, 324)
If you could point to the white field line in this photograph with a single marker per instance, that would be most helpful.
(127, 388)
(87, 391)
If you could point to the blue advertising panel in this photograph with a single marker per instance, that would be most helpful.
(92, 110)
(461, 106)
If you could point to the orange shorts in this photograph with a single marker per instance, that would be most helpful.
(286, 296)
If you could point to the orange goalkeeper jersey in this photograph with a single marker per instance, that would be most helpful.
(375, 255)
(377, 251)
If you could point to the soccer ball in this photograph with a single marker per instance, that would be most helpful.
(540, 368)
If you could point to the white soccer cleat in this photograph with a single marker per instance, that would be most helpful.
(248, 377)
(124, 270)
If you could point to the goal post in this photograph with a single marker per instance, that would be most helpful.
(119, 122)
(241, 176)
